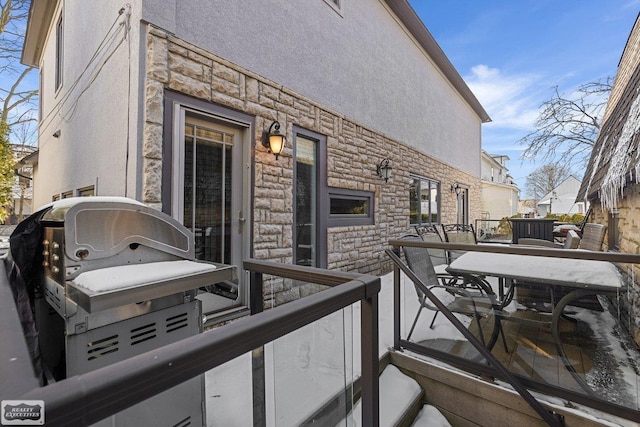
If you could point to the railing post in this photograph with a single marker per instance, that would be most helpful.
(370, 367)
(256, 295)
(256, 305)
(396, 307)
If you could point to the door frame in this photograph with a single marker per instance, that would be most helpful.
(173, 102)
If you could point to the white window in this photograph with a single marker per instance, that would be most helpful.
(59, 52)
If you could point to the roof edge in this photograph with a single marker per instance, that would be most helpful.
(40, 16)
(417, 28)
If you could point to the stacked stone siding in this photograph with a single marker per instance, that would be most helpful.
(629, 231)
(353, 151)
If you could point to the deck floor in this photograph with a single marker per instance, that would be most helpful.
(531, 353)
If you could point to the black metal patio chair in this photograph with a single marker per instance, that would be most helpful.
(458, 233)
(469, 302)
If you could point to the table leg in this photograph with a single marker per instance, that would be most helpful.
(558, 310)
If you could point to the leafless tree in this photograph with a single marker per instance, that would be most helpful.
(544, 179)
(22, 190)
(17, 94)
(568, 124)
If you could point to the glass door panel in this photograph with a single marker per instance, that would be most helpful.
(211, 199)
(306, 197)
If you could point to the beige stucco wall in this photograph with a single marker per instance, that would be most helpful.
(353, 150)
(499, 200)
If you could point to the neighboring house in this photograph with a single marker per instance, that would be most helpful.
(611, 182)
(527, 208)
(22, 189)
(562, 199)
(166, 102)
(500, 194)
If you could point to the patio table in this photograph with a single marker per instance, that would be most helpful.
(582, 277)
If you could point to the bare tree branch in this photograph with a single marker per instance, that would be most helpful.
(567, 126)
(544, 179)
(18, 95)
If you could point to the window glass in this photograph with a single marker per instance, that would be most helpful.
(305, 199)
(59, 52)
(86, 192)
(207, 189)
(346, 206)
(434, 210)
(350, 207)
(424, 201)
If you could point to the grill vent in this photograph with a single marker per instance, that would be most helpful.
(101, 347)
(143, 333)
(177, 322)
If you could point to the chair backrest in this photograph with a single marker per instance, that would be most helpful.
(592, 237)
(571, 241)
(428, 229)
(419, 261)
(430, 233)
(458, 233)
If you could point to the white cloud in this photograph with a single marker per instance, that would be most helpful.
(509, 100)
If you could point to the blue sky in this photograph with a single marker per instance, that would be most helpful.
(512, 53)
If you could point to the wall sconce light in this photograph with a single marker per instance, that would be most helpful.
(383, 170)
(57, 134)
(273, 140)
(456, 188)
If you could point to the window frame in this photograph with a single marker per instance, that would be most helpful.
(431, 181)
(84, 191)
(59, 52)
(345, 220)
(321, 256)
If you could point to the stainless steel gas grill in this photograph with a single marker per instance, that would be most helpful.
(120, 279)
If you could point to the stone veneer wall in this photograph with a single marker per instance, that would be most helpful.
(352, 151)
(629, 229)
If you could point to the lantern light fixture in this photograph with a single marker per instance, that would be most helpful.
(273, 140)
(383, 170)
(456, 188)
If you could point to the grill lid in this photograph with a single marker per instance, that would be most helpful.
(101, 227)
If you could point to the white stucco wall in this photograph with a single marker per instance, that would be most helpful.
(360, 62)
(93, 104)
(370, 69)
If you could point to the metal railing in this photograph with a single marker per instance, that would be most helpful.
(493, 368)
(90, 397)
(493, 230)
